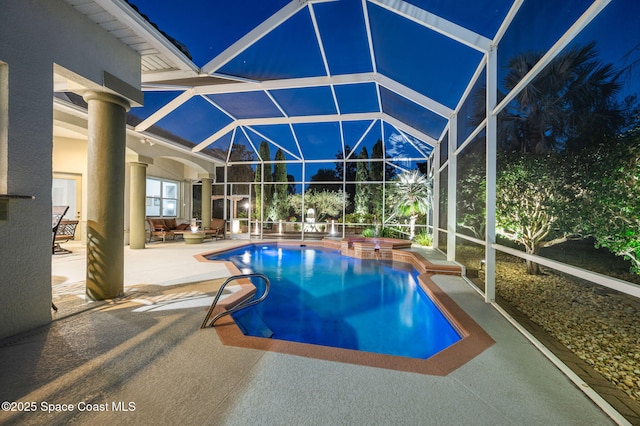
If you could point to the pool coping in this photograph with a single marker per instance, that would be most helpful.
(474, 340)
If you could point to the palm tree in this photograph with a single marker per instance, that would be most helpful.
(411, 194)
(567, 105)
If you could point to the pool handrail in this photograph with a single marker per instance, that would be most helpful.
(244, 304)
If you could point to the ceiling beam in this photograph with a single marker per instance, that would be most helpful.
(401, 125)
(472, 83)
(289, 83)
(164, 111)
(367, 24)
(153, 76)
(506, 22)
(436, 23)
(414, 96)
(329, 118)
(260, 134)
(416, 147)
(254, 35)
(214, 137)
(265, 86)
(296, 83)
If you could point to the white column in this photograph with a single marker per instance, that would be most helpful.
(225, 193)
(436, 195)
(451, 190)
(492, 132)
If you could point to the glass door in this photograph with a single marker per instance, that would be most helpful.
(67, 191)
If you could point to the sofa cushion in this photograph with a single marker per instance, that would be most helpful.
(217, 223)
(170, 224)
(158, 224)
(182, 227)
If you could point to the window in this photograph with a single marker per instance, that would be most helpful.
(162, 198)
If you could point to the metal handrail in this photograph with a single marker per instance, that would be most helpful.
(239, 306)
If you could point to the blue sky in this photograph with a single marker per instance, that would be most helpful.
(412, 55)
(207, 27)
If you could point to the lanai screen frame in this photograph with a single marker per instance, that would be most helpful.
(488, 66)
(489, 126)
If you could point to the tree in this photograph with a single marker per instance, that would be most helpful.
(411, 196)
(326, 204)
(291, 187)
(279, 206)
(612, 197)
(346, 169)
(326, 175)
(471, 193)
(536, 203)
(263, 200)
(363, 192)
(350, 170)
(376, 174)
(239, 172)
(568, 105)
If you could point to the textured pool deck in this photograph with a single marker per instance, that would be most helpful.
(144, 360)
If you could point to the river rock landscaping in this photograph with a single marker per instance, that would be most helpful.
(598, 324)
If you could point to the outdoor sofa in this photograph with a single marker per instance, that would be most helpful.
(164, 228)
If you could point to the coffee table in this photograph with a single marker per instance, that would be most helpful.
(196, 237)
(191, 237)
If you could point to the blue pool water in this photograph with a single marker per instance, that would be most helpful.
(320, 297)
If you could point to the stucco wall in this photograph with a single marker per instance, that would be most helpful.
(35, 35)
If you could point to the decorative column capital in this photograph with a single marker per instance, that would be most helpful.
(138, 164)
(107, 97)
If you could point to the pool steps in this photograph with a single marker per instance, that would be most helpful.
(389, 249)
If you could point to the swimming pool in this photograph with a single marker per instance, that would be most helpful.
(320, 297)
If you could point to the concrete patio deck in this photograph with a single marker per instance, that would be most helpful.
(143, 360)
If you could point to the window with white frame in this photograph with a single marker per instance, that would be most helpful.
(162, 198)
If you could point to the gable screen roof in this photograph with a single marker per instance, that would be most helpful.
(307, 66)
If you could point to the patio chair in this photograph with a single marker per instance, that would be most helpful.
(57, 213)
(219, 226)
(66, 231)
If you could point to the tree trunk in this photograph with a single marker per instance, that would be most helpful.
(412, 227)
(533, 268)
